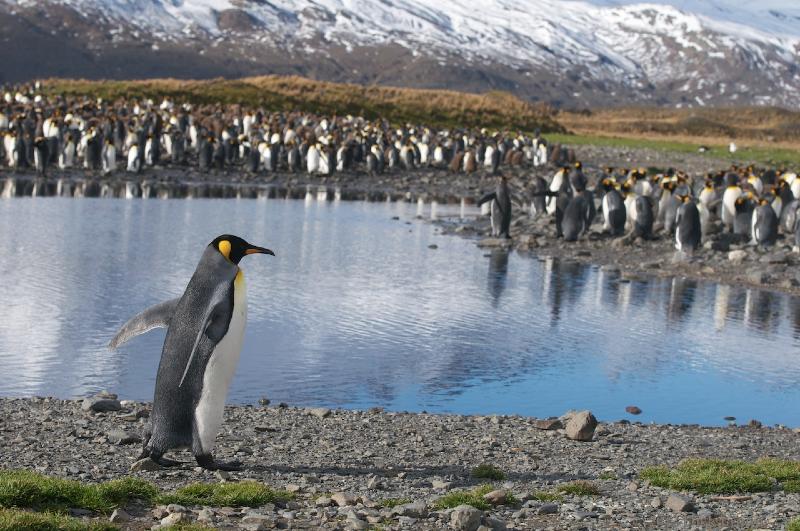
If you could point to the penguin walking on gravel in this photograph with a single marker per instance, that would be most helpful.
(205, 329)
(500, 209)
(688, 231)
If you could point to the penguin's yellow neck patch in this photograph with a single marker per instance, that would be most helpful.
(225, 248)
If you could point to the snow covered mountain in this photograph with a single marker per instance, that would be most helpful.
(572, 53)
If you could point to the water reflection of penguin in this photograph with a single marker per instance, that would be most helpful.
(761, 310)
(794, 309)
(565, 285)
(681, 299)
(498, 271)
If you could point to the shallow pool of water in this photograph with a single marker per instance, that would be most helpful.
(357, 311)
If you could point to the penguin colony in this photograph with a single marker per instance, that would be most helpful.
(131, 136)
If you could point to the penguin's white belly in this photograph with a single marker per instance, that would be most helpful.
(220, 369)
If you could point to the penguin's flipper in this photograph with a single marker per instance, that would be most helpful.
(157, 316)
(214, 312)
(487, 197)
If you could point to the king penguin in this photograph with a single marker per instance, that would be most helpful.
(205, 328)
(501, 209)
(688, 231)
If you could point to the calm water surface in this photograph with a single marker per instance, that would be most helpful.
(356, 311)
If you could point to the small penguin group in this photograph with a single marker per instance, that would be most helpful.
(759, 205)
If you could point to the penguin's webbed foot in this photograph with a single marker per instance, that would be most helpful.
(165, 462)
(207, 461)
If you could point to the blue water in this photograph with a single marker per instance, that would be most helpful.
(356, 311)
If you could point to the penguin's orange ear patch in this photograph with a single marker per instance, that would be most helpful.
(225, 248)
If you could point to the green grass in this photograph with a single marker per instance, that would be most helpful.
(793, 525)
(465, 497)
(579, 488)
(22, 488)
(14, 519)
(391, 503)
(244, 494)
(762, 155)
(547, 496)
(487, 471)
(713, 476)
(791, 485)
(607, 475)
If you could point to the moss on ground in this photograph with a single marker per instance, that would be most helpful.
(51, 497)
(243, 494)
(22, 488)
(715, 476)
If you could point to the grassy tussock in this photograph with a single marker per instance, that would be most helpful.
(465, 497)
(243, 494)
(793, 525)
(22, 488)
(487, 471)
(714, 476)
(398, 105)
(391, 503)
(15, 520)
(547, 496)
(579, 488)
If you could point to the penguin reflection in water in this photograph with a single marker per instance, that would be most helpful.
(205, 328)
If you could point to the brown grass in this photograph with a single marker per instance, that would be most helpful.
(757, 126)
(287, 93)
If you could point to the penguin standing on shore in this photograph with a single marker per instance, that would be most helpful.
(109, 157)
(539, 203)
(765, 224)
(643, 223)
(205, 329)
(41, 155)
(613, 206)
(575, 218)
(500, 209)
(743, 215)
(688, 230)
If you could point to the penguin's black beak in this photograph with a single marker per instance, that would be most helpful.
(258, 250)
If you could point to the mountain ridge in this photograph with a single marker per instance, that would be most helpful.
(569, 53)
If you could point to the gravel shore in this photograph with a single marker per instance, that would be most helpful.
(345, 467)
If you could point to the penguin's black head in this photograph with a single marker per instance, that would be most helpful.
(235, 248)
